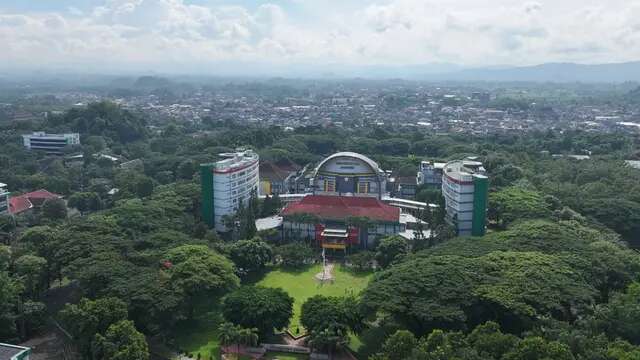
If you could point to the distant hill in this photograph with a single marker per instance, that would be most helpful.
(151, 82)
(552, 72)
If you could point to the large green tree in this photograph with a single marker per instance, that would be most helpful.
(251, 255)
(31, 270)
(323, 312)
(516, 203)
(258, 307)
(294, 255)
(90, 317)
(85, 201)
(54, 209)
(620, 318)
(390, 249)
(513, 288)
(199, 273)
(121, 341)
(9, 299)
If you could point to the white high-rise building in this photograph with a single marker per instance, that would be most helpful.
(4, 199)
(51, 143)
(465, 189)
(228, 183)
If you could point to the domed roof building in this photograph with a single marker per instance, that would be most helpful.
(348, 174)
(345, 207)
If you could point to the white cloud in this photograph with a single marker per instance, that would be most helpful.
(173, 33)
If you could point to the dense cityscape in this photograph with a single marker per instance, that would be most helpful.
(282, 218)
(476, 109)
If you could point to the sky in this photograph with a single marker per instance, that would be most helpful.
(208, 35)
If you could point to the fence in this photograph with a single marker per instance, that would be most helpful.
(287, 348)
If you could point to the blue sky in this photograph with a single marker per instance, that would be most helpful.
(171, 35)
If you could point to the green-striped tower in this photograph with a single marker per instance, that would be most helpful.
(480, 195)
(206, 178)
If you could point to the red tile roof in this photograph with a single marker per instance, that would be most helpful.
(27, 201)
(19, 204)
(272, 172)
(342, 207)
(41, 194)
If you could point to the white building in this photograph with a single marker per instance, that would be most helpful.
(226, 184)
(4, 199)
(349, 174)
(430, 173)
(51, 143)
(465, 190)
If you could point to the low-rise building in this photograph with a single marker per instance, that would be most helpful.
(465, 189)
(345, 208)
(226, 184)
(28, 201)
(51, 143)
(633, 163)
(300, 182)
(337, 222)
(405, 187)
(430, 173)
(14, 352)
(275, 177)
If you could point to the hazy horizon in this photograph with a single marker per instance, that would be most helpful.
(259, 37)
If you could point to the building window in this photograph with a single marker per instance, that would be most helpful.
(363, 187)
(329, 185)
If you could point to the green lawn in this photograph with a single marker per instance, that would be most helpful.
(279, 356)
(285, 356)
(201, 334)
(302, 285)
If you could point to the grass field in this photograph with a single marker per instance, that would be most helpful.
(285, 356)
(302, 285)
(201, 334)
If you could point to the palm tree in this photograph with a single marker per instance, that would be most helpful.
(249, 336)
(229, 334)
(328, 339)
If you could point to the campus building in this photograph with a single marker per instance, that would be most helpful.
(51, 143)
(349, 174)
(275, 177)
(465, 189)
(430, 173)
(226, 184)
(346, 207)
(14, 352)
(4, 199)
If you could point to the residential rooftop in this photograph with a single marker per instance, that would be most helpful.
(8, 352)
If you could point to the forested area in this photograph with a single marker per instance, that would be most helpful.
(554, 278)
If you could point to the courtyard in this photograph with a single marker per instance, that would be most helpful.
(200, 336)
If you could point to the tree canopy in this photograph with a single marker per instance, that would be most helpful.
(258, 307)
